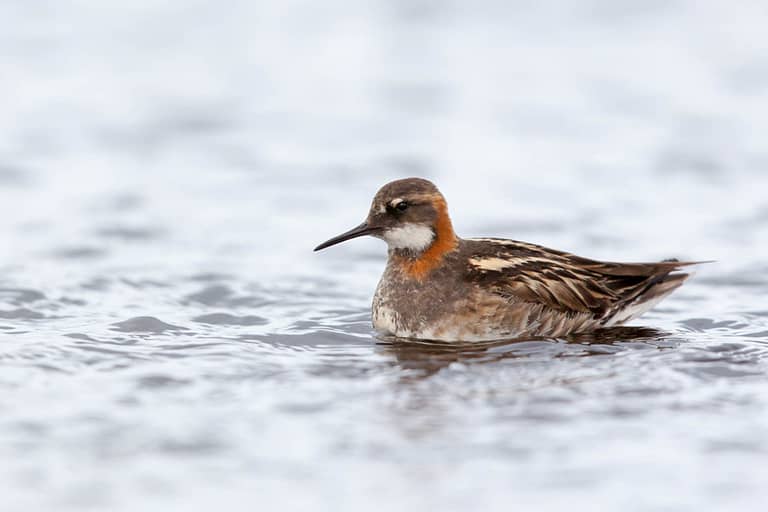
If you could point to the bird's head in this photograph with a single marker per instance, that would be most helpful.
(411, 215)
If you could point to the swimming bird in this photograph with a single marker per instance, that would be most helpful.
(437, 286)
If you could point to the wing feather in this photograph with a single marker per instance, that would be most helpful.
(560, 280)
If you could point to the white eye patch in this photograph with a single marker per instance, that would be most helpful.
(414, 237)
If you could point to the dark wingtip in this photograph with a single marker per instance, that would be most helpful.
(689, 263)
(676, 263)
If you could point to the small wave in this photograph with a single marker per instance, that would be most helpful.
(147, 325)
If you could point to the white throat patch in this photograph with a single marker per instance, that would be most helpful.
(414, 237)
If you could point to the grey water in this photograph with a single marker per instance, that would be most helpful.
(168, 340)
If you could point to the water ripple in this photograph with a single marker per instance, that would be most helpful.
(146, 325)
(227, 319)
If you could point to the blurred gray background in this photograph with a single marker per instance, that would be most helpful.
(167, 338)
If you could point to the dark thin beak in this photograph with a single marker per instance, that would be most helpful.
(361, 230)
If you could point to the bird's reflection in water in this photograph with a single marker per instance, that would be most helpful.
(424, 358)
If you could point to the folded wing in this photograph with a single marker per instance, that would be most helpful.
(568, 283)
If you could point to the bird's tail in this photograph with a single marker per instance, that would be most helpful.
(654, 293)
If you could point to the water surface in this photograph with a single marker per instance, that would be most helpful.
(169, 341)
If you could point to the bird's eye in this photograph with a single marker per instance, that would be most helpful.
(402, 206)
